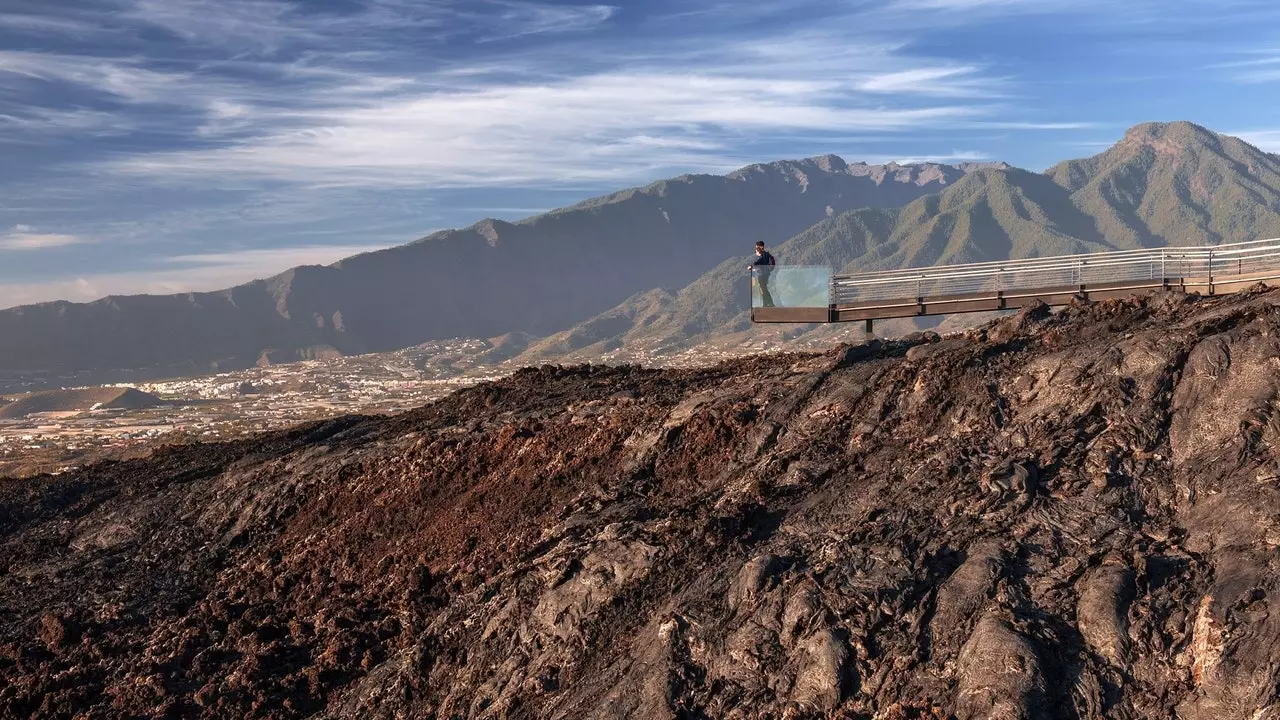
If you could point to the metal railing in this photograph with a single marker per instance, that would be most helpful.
(1144, 268)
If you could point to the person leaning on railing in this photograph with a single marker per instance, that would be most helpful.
(763, 267)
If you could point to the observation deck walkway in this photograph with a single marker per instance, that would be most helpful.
(805, 294)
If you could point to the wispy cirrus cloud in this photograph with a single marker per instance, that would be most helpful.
(603, 127)
(936, 81)
(125, 79)
(955, 156)
(45, 25)
(23, 238)
(332, 120)
(272, 26)
(48, 124)
(1262, 66)
(518, 19)
(1267, 140)
(976, 4)
(290, 112)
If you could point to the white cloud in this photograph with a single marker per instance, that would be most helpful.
(944, 81)
(1268, 75)
(956, 156)
(518, 19)
(270, 26)
(125, 79)
(953, 10)
(185, 273)
(24, 238)
(1266, 140)
(45, 25)
(604, 127)
(1250, 65)
(44, 123)
(333, 113)
(1002, 125)
(974, 4)
(223, 22)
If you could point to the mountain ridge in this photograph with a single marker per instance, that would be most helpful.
(564, 276)
(537, 276)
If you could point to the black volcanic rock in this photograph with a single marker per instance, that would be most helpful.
(1065, 514)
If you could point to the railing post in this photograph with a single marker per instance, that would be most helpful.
(833, 311)
(1210, 271)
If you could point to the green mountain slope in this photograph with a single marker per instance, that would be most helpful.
(1176, 184)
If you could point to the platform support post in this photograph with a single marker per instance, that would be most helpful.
(870, 327)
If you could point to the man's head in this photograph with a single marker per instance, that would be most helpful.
(759, 248)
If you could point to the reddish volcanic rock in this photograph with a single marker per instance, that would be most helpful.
(1064, 514)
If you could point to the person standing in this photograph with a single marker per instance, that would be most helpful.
(763, 267)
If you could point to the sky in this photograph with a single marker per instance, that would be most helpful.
(155, 146)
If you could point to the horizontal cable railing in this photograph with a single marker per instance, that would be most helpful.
(1141, 267)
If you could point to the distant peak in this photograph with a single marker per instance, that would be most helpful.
(490, 229)
(975, 166)
(1165, 135)
(830, 163)
(834, 164)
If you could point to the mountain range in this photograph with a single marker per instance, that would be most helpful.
(1163, 184)
(660, 267)
(537, 276)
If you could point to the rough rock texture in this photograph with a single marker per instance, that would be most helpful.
(1062, 515)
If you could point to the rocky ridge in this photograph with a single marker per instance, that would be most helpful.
(1057, 515)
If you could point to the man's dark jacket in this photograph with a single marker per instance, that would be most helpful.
(764, 264)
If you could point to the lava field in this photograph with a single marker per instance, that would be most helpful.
(1071, 514)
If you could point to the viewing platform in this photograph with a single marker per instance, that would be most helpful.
(805, 294)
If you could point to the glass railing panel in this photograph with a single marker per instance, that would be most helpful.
(1029, 275)
(790, 286)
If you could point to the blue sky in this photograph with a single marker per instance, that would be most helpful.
(173, 145)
